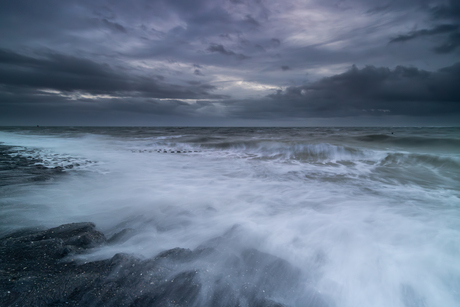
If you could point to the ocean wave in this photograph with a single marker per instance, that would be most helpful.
(412, 141)
(428, 160)
(321, 152)
(49, 159)
(167, 137)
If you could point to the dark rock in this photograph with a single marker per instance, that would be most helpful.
(87, 239)
(176, 254)
(27, 251)
(121, 236)
(77, 234)
(37, 269)
(69, 230)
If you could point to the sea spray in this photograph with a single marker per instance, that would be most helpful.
(359, 216)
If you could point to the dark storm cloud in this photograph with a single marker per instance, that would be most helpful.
(249, 19)
(221, 49)
(441, 29)
(274, 42)
(447, 11)
(451, 43)
(68, 74)
(448, 30)
(54, 63)
(114, 26)
(198, 72)
(368, 91)
(56, 110)
(50, 101)
(155, 57)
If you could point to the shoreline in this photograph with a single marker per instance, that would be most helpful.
(37, 268)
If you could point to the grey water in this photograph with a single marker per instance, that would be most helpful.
(363, 216)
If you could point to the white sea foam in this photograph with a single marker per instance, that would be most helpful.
(361, 231)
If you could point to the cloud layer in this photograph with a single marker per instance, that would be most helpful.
(445, 26)
(204, 61)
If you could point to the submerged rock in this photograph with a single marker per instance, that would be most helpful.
(121, 236)
(37, 268)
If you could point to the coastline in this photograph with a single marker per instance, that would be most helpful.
(38, 268)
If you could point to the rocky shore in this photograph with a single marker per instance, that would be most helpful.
(37, 268)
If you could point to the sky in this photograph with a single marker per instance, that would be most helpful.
(230, 62)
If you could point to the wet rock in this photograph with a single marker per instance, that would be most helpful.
(121, 236)
(27, 250)
(15, 169)
(176, 254)
(76, 234)
(31, 268)
(37, 268)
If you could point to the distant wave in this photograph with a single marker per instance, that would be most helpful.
(321, 152)
(412, 141)
(434, 161)
(168, 137)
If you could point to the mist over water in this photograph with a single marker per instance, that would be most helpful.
(363, 216)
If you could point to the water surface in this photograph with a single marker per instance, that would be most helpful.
(365, 216)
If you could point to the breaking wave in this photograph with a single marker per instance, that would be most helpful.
(321, 152)
(49, 159)
(303, 217)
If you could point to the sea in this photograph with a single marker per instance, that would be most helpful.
(358, 216)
